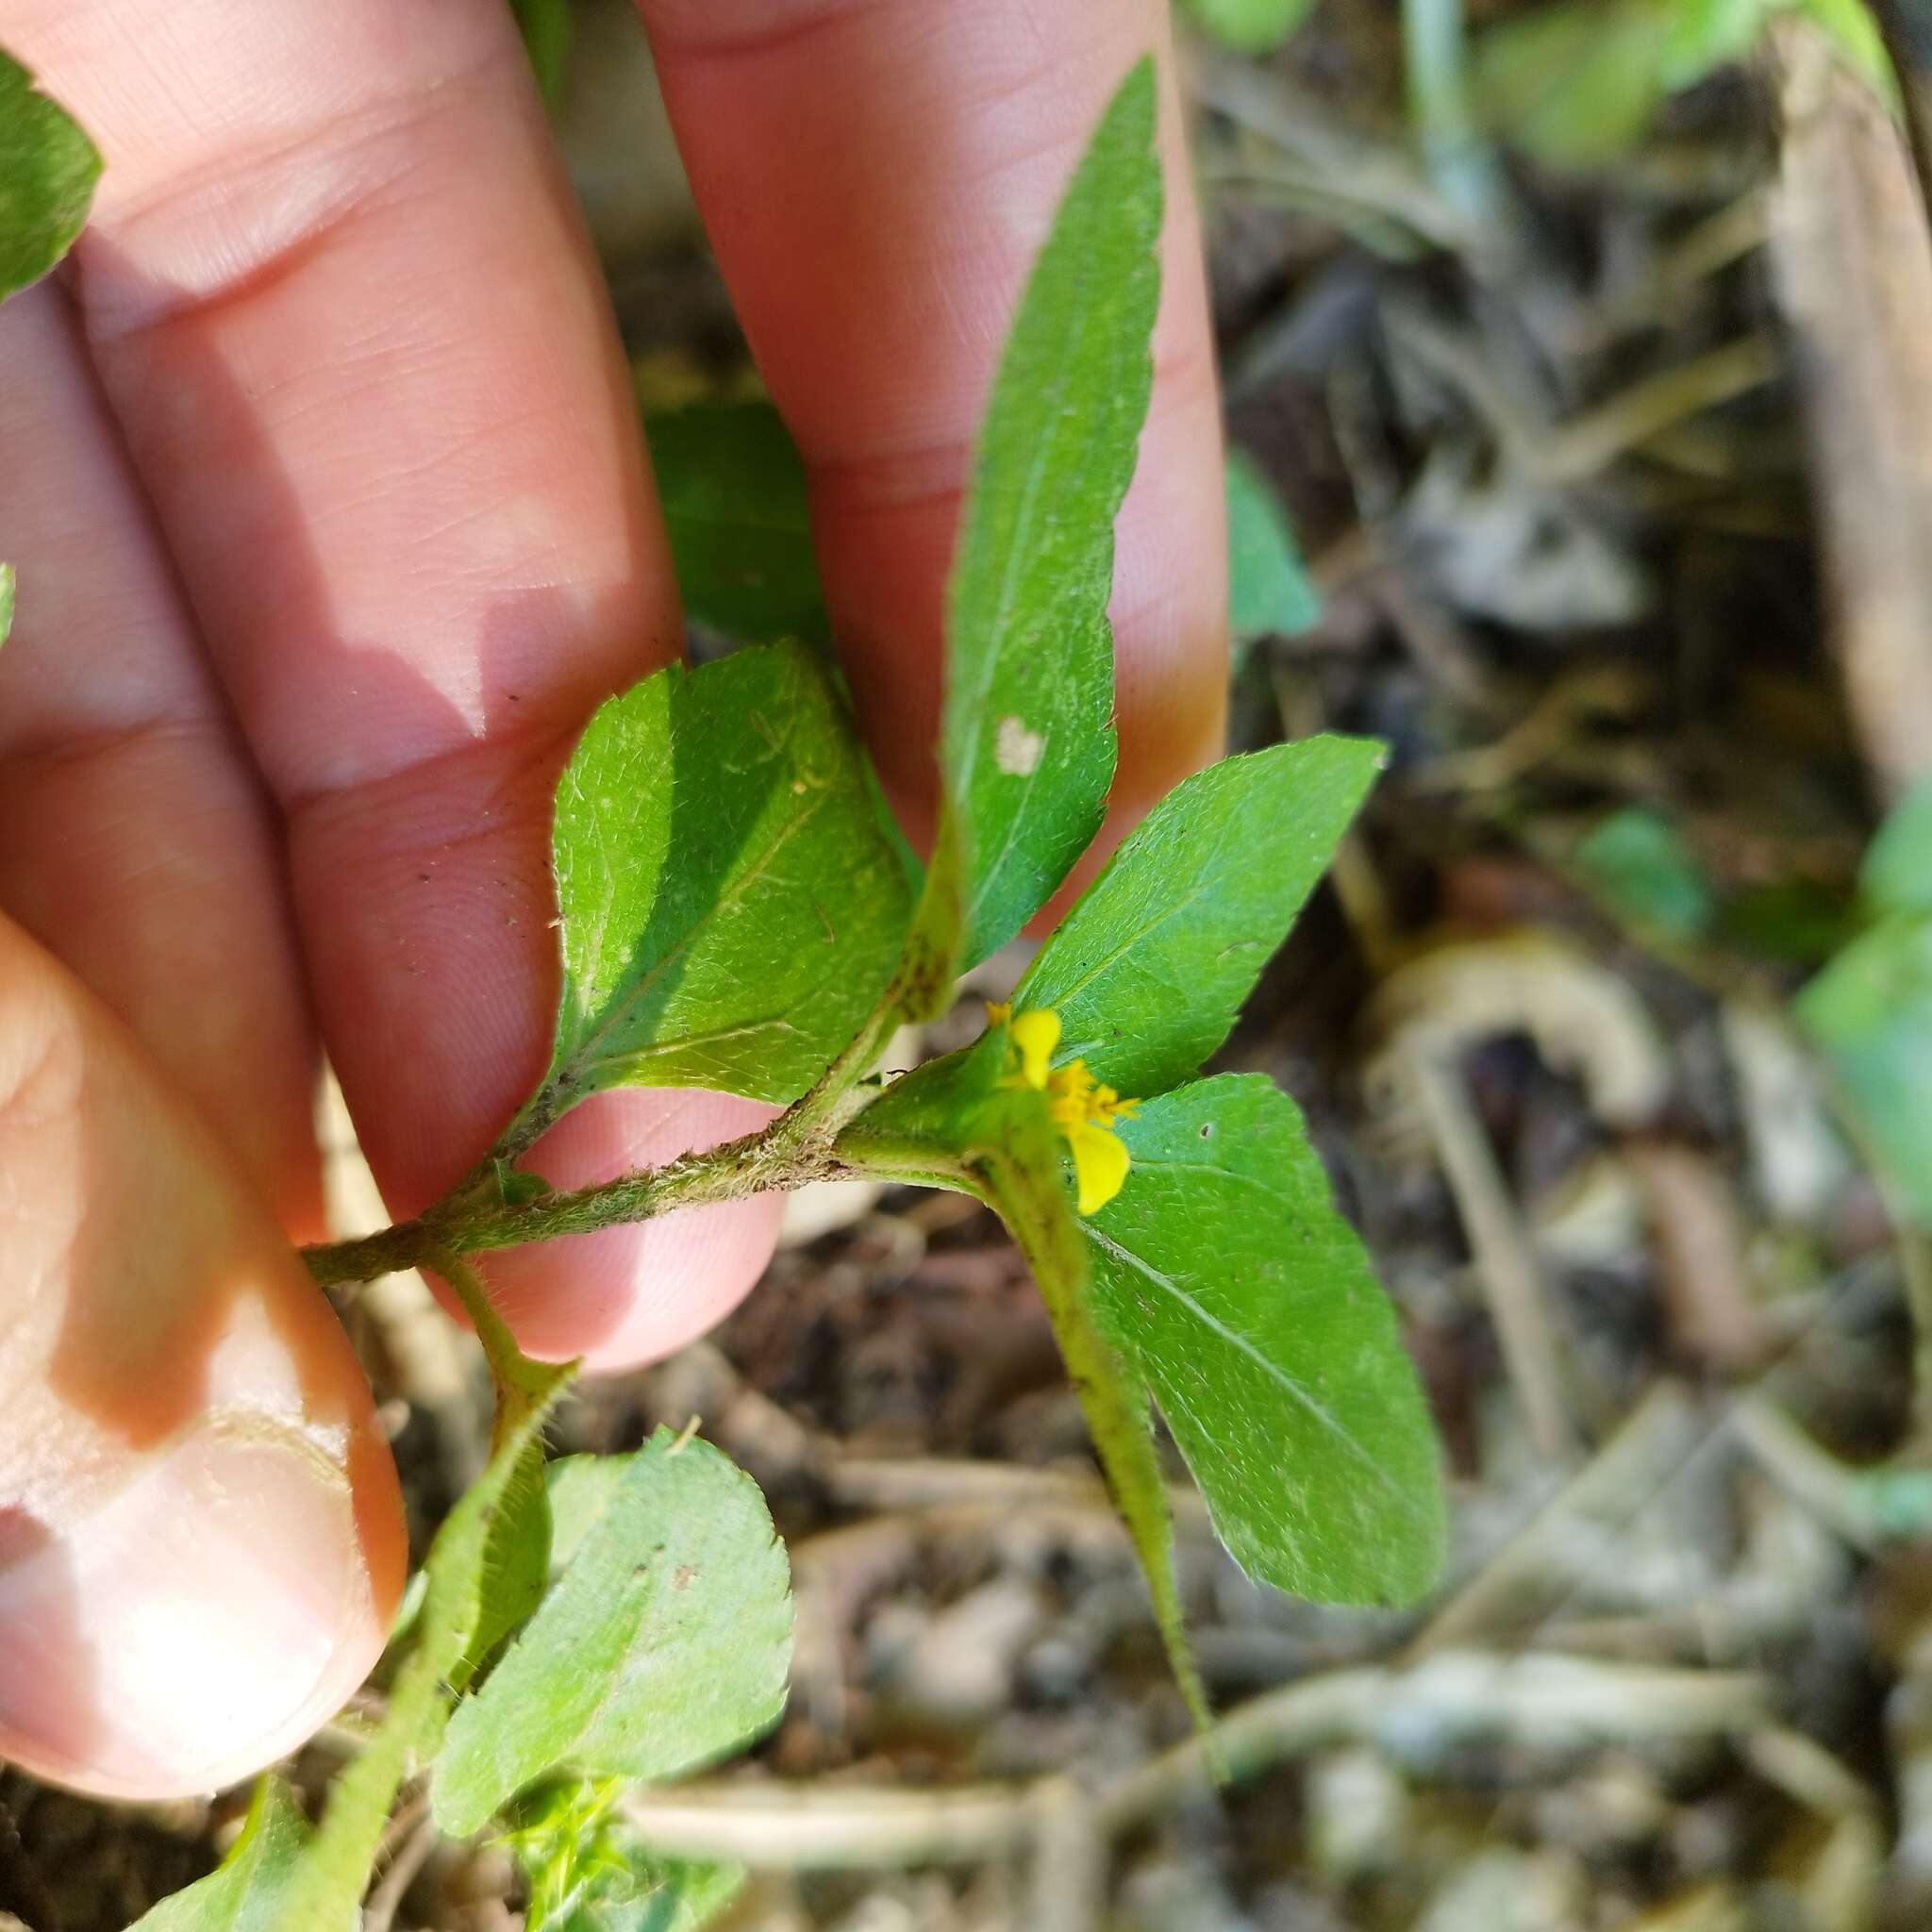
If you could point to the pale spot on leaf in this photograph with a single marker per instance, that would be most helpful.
(1015, 749)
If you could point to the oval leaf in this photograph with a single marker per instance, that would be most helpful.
(731, 906)
(663, 1645)
(1224, 1276)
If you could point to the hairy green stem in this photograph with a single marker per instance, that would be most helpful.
(794, 1150)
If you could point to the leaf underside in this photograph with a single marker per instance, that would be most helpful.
(732, 489)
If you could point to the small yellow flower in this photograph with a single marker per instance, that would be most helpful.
(1082, 1108)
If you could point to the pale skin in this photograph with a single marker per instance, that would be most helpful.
(333, 524)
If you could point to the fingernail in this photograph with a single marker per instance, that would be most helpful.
(195, 1626)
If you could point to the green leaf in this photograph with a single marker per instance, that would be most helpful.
(7, 582)
(548, 32)
(1224, 1276)
(1251, 26)
(48, 169)
(948, 1124)
(1701, 35)
(1026, 749)
(1150, 968)
(731, 907)
(732, 486)
(663, 1645)
(248, 1890)
(1896, 875)
(586, 1872)
(1871, 1012)
(1268, 590)
(1641, 864)
(1577, 83)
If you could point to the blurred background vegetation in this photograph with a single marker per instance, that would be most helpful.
(1577, 357)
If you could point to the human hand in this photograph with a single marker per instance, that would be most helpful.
(333, 526)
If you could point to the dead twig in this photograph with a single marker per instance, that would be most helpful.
(1537, 1702)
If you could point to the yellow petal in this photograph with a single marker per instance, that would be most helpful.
(1100, 1165)
(1036, 1035)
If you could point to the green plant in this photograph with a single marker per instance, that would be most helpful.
(1578, 82)
(738, 912)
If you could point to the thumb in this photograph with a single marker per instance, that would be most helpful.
(201, 1539)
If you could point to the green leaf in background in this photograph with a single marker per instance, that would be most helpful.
(1578, 83)
(248, 1890)
(731, 906)
(1251, 26)
(586, 1872)
(48, 169)
(1224, 1276)
(1870, 1010)
(663, 1645)
(6, 583)
(1896, 874)
(1026, 749)
(732, 486)
(1268, 590)
(1150, 968)
(1639, 862)
(548, 32)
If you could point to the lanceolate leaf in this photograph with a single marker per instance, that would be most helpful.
(1020, 1172)
(731, 907)
(732, 489)
(1224, 1276)
(48, 169)
(951, 1124)
(6, 600)
(663, 1645)
(1026, 748)
(1149, 970)
(248, 1891)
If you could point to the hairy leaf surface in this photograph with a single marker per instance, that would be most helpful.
(48, 169)
(1026, 747)
(663, 1645)
(1149, 970)
(1224, 1275)
(731, 906)
(950, 1124)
